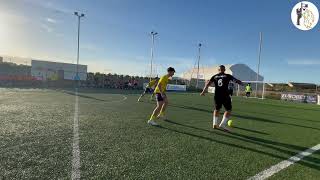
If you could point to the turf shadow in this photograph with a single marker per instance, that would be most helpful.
(244, 117)
(271, 121)
(83, 96)
(189, 108)
(292, 149)
(312, 164)
(251, 130)
(99, 91)
(283, 116)
(287, 106)
(185, 107)
(260, 140)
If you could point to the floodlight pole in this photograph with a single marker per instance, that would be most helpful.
(259, 60)
(153, 34)
(78, 50)
(199, 51)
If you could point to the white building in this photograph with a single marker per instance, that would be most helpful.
(239, 71)
(44, 70)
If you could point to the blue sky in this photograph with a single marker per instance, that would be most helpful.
(115, 35)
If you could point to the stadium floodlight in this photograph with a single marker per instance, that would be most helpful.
(153, 34)
(199, 51)
(259, 60)
(78, 50)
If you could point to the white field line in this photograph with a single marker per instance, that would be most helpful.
(284, 164)
(75, 173)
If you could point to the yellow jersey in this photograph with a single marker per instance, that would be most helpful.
(248, 89)
(163, 82)
(152, 83)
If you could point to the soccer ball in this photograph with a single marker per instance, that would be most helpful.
(230, 123)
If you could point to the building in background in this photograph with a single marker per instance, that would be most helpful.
(1, 59)
(240, 71)
(47, 70)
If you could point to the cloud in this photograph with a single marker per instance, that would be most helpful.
(8, 18)
(47, 28)
(306, 62)
(167, 59)
(55, 7)
(59, 34)
(50, 20)
(90, 47)
(141, 64)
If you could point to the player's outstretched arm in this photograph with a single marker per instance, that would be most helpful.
(205, 88)
(237, 81)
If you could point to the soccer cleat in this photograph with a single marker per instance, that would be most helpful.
(215, 126)
(162, 117)
(152, 123)
(226, 129)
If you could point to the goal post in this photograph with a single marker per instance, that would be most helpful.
(257, 89)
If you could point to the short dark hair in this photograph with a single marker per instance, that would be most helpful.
(222, 66)
(171, 69)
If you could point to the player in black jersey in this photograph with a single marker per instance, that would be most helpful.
(221, 96)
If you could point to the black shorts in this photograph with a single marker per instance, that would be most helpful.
(223, 100)
(248, 93)
(148, 90)
(231, 92)
(159, 97)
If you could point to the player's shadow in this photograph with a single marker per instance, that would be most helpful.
(271, 121)
(243, 117)
(241, 135)
(189, 108)
(287, 106)
(251, 130)
(83, 96)
(284, 116)
(244, 129)
(278, 146)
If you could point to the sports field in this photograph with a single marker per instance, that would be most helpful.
(38, 139)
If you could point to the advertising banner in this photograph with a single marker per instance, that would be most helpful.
(174, 87)
(304, 98)
(171, 87)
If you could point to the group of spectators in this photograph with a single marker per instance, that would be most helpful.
(114, 81)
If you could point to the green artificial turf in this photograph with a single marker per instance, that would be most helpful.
(116, 143)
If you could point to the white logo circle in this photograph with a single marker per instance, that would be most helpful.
(305, 15)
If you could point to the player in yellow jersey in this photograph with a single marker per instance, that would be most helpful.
(150, 88)
(162, 99)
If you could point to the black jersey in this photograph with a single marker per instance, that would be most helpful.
(221, 82)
